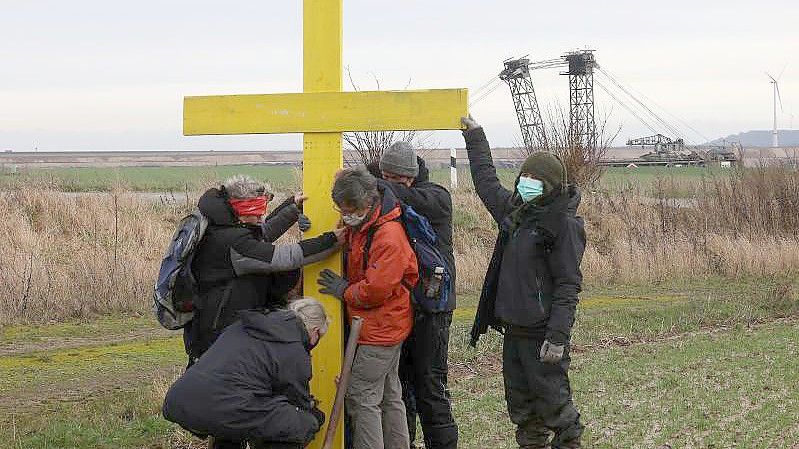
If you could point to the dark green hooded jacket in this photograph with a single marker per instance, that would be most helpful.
(533, 279)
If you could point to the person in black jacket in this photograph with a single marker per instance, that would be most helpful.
(252, 385)
(236, 265)
(423, 366)
(530, 291)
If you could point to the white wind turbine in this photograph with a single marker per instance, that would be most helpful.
(775, 82)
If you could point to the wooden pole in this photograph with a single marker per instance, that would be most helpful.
(344, 381)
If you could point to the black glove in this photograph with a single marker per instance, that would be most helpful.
(319, 415)
(303, 222)
(333, 284)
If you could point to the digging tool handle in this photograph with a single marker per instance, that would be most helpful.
(344, 380)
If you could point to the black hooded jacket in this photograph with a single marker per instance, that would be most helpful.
(236, 269)
(252, 384)
(534, 278)
(435, 203)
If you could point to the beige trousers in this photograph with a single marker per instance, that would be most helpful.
(374, 399)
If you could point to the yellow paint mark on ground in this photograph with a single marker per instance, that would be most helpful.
(45, 366)
(601, 301)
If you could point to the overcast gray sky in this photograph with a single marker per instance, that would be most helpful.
(100, 75)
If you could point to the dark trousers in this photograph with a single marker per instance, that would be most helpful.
(423, 373)
(539, 396)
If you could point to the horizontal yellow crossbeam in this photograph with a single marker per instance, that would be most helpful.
(325, 112)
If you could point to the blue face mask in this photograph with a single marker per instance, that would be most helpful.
(529, 188)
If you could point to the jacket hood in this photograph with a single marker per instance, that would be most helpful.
(568, 200)
(424, 173)
(574, 195)
(281, 326)
(389, 206)
(214, 205)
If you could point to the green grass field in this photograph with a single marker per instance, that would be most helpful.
(711, 365)
(677, 180)
(149, 179)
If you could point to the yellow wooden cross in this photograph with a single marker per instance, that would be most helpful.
(322, 113)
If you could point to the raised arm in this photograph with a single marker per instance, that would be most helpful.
(496, 198)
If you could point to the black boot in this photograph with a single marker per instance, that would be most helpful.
(533, 435)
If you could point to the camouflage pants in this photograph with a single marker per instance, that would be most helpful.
(539, 396)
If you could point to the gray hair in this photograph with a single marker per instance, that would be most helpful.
(243, 186)
(355, 187)
(312, 314)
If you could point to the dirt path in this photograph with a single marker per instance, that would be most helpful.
(56, 343)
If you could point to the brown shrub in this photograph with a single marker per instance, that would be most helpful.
(75, 256)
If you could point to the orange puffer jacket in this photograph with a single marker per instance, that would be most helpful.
(379, 294)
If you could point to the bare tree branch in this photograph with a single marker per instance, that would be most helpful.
(368, 146)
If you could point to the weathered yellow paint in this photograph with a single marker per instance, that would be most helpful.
(325, 112)
(322, 158)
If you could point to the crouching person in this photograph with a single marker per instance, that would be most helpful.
(380, 268)
(252, 385)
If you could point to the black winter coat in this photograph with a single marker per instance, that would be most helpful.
(237, 269)
(533, 279)
(435, 203)
(252, 384)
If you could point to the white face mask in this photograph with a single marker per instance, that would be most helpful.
(353, 220)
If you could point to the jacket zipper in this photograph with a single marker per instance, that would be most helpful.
(540, 300)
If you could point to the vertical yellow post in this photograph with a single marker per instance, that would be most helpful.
(322, 157)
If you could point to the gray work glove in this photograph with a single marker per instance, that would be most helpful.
(551, 353)
(303, 222)
(470, 123)
(332, 284)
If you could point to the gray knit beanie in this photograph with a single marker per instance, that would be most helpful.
(400, 159)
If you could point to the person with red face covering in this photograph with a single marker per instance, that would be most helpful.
(236, 265)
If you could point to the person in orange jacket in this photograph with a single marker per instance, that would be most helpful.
(381, 268)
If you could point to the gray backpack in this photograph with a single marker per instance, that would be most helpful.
(176, 287)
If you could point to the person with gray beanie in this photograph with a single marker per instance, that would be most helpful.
(423, 366)
(400, 160)
(531, 289)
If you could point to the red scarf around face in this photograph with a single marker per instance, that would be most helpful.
(249, 206)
